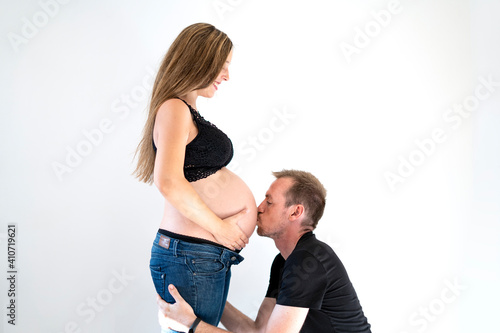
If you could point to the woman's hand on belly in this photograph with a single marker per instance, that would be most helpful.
(230, 199)
(229, 232)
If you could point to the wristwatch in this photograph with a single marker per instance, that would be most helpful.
(195, 324)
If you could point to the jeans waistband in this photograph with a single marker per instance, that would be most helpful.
(179, 246)
(190, 239)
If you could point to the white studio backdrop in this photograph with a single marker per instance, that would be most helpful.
(393, 105)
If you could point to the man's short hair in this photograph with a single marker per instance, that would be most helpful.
(308, 191)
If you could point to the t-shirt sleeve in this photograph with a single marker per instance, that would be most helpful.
(274, 279)
(303, 282)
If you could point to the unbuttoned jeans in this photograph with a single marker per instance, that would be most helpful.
(200, 272)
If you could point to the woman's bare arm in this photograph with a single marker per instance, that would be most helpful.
(172, 126)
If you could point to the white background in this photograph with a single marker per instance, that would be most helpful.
(423, 254)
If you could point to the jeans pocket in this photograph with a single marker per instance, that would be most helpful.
(205, 266)
(158, 279)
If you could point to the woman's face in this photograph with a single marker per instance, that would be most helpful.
(209, 91)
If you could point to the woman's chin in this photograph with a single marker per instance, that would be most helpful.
(208, 95)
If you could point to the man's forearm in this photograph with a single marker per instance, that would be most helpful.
(207, 328)
(236, 321)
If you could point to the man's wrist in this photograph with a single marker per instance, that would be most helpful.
(192, 329)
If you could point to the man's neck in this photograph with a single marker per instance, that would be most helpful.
(286, 243)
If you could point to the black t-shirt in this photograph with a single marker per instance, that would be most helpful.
(314, 277)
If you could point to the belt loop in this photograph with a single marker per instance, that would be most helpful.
(176, 241)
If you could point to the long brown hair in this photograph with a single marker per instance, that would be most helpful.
(193, 61)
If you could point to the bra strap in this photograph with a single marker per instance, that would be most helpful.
(189, 106)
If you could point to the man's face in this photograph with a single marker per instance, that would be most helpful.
(272, 215)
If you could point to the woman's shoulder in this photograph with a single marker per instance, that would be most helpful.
(174, 104)
(174, 110)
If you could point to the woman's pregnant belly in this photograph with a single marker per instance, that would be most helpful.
(225, 194)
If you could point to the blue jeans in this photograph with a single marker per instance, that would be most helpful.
(200, 272)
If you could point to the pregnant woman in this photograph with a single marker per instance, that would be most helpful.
(209, 211)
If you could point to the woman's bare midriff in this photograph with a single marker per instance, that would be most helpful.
(225, 194)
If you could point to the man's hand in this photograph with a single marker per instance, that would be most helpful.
(167, 323)
(178, 316)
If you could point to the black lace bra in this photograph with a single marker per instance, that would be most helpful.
(208, 152)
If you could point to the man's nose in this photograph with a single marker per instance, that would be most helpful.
(260, 209)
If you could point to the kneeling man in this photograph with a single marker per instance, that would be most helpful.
(309, 289)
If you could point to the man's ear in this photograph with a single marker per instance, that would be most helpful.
(296, 212)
